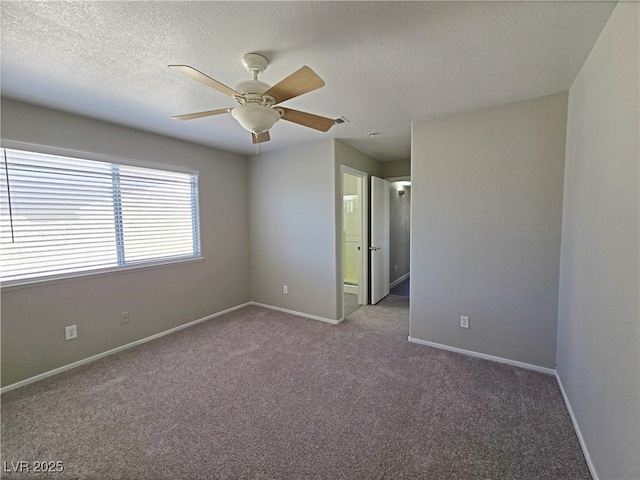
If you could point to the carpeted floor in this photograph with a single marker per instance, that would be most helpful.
(403, 288)
(259, 394)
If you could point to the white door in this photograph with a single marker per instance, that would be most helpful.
(380, 232)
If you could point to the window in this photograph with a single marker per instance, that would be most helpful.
(62, 215)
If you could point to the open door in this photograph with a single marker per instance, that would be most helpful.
(380, 232)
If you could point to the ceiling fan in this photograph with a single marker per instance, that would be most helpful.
(258, 108)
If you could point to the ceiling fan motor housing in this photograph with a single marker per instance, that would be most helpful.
(251, 91)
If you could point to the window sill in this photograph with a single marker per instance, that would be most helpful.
(42, 280)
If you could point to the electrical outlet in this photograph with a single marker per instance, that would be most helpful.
(71, 332)
(396, 269)
(124, 317)
(285, 289)
(464, 321)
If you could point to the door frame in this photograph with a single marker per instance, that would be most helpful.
(363, 280)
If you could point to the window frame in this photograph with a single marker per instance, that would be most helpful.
(136, 265)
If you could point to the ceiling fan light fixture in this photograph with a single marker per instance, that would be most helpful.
(256, 118)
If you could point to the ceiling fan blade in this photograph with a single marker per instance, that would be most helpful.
(208, 113)
(202, 78)
(262, 137)
(302, 81)
(308, 119)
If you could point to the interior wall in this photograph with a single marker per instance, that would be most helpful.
(485, 229)
(293, 237)
(158, 298)
(599, 312)
(399, 234)
(396, 168)
(351, 157)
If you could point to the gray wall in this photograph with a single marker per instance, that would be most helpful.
(485, 229)
(351, 157)
(158, 298)
(598, 319)
(292, 229)
(396, 168)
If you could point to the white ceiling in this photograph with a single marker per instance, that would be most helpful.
(385, 64)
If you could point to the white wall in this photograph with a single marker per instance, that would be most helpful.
(157, 299)
(485, 229)
(292, 224)
(599, 314)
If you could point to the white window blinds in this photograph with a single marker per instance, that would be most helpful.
(61, 215)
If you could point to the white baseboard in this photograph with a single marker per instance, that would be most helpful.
(576, 427)
(400, 280)
(299, 314)
(471, 353)
(351, 289)
(93, 358)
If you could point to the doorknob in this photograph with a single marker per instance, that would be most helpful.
(374, 248)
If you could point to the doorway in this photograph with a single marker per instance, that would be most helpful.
(354, 239)
(400, 231)
(390, 236)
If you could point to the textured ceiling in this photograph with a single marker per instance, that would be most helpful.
(385, 64)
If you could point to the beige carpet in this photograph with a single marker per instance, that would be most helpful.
(259, 394)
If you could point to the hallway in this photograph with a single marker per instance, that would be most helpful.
(401, 289)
